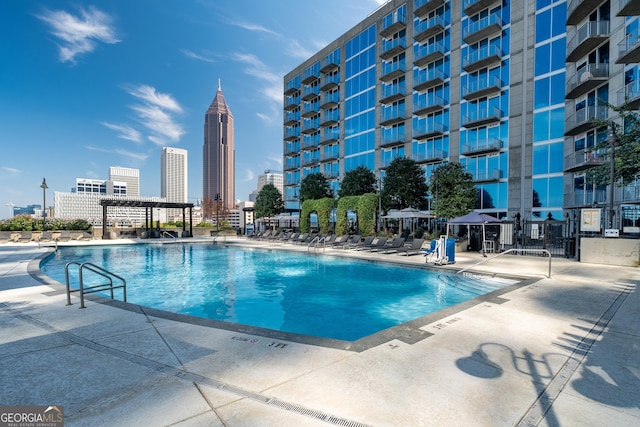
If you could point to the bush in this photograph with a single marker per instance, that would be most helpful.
(29, 223)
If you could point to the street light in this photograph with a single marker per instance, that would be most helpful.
(44, 202)
(217, 199)
(612, 139)
(11, 205)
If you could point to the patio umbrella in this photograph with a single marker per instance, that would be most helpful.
(406, 213)
(474, 218)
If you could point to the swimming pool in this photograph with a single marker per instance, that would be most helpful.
(322, 296)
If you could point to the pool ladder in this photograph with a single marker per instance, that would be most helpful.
(110, 286)
(317, 243)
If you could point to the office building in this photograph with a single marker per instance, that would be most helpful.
(87, 206)
(506, 88)
(129, 176)
(271, 177)
(100, 186)
(218, 153)
(173, 178)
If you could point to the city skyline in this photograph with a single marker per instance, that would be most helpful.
(109, 85)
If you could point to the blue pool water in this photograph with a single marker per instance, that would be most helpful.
(323, 296)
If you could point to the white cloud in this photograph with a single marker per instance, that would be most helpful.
(124, 131)
(10, 170)
(136, 156)
(252, 27)
(79, 34)
(190, 54)
(155, 112)
(297, 51)
(276, 159)
(256, 68)
(248, 176)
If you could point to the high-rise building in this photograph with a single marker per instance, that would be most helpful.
(507, 88)
(271, 177)
(129, 176)
(173, 177)
(218, 153)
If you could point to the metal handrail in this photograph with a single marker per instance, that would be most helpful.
(508, 251)
(91, 289)
(166, 233)
(317, 240)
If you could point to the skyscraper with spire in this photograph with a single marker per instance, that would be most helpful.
(218, 154)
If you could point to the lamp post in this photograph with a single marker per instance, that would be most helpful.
(11, 205)
(297, 203)
(380, 202)
(217, 199)
(612, 139)
(44, 202)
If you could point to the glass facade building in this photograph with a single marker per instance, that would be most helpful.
(508, 89)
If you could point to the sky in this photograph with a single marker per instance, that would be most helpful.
(89, 85)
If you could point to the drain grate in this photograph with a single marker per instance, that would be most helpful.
(332, 419)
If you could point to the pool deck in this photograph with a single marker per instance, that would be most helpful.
(558, 351)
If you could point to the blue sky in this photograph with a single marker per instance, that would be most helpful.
(88, 85)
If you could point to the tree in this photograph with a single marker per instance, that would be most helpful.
(313, 187)
(626, 152)
(404, 185)
(357, 182)
(452, 191)
(268, 202)
(208, 207)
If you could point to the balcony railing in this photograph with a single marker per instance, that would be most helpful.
(423, 30)
(392, 47)
(629, 8)
(291, 102)
(481, 58)
(422, 8)
(330, 118)
(471, 7)
(482, 116)
(312, 160)
(429, 156)
(424, 54)
(310, 92)
(392, 92)
(311, 125)
(630, 95)
(290, 164)
(583, 119)
(580, 197)
(392, 70)
(310, 109)
(629, 50)
(487, 146)
(311, 74)
(482, 87)
(330, 100)
(428, 130)
(425, 79)
(330, 81)
(487, 176)
(329, 64)
(587, 79)
(582, 160)
(291, 148)
(329, 155)
(393, 22)
(329, 136)
(482, 28)
(395, 137)
(588, 36)
(428, 104)
(291, 117)
(292, 133)
(578, 10)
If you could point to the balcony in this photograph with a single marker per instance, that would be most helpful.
(384, 163)
(310, 92)
(426, 79)
(330, 100)
(580, 197)
(392, 23)
(310, 142)
(292, 163)
(582, 160)
(292, 88)
(329, 136)
(578, 10)
(629, 51)
(587, 79)
(329, 156)
(428, 130)
(392, 47)
(491, 145)
(588, 36)
(331, 175)
(330, 118)
(291, 147)
(481, 117)
(424, 30)
(391, 116)
(471, 7)
(392, 93)
(392, 70)
(291, 102)
(291, 133)
(482, 58)
(331, 81)
(428, 105)
(291, 117)
(392, 139)
(482, 87)
(424, 54)
(630, 95)
(422, 8)
(310, 109)
(310, 126)
(583, 119)
(429, 156)
(493, 175)
(629, 8)
(482, 28)
(329, 64)
(310, 161)
(311, 75)
(291, 181)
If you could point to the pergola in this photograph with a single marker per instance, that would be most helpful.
(148, 212)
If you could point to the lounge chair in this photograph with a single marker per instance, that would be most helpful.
(371, 244)
(396, 243)
(328, 240)
(380, 244)
(366, 242)
(25, 236)
(65, 236)
(351, 241)
(301, 238)
(85, 236)
(46, 236)
(414, 248)
(293, 237)
(5, 236)
(339, 241)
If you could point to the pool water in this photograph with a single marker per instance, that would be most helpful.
(324, 296)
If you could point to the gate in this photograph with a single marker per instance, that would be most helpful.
(552, 235)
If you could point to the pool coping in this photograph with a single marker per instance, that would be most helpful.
(409, 332)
